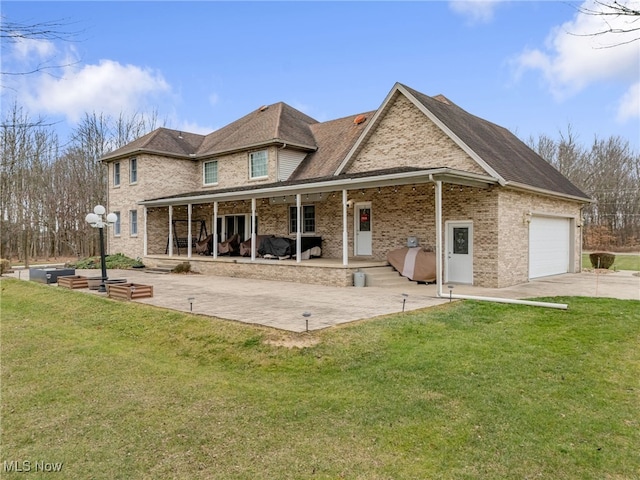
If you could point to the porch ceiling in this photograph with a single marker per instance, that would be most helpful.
(342, 182)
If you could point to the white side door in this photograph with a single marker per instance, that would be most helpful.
(363, 240)
(459, 252)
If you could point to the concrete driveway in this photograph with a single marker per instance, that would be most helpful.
(282, 304)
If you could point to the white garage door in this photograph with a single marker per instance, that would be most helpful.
(549, 246)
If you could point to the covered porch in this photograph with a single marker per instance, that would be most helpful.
(360, 217)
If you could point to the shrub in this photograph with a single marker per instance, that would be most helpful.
(602, 259)
(184, 267)
(115, 261)
(5, 266)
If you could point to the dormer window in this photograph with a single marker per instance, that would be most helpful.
(258, 164)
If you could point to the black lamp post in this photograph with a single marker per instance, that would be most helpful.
(96, 220)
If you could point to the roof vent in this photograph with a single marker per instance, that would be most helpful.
(263, 108)
(442, 99)
(359, 119)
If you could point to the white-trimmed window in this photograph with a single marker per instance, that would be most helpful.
(308, 219)
(258, 164)
(210, 172)
(133, 222)
(133, 170)
(116, 226)
(116, 174)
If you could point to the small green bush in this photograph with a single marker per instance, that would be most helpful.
(184, 267)
(5, 266)
(115, 261)
(602, 259)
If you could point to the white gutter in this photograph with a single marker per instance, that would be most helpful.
(439, 292)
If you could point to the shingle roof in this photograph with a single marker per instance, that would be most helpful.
(277, 122)
(164, 141)
(329, 143)
(334, 140)
(511, 158)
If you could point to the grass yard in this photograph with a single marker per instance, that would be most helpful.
(468, 390)
(622, 262)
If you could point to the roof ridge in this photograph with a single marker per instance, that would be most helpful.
(280, 106)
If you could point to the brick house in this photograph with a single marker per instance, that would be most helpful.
(418, 168)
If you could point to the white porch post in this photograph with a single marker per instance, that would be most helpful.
(171, 230)
(345, 232)
(215, 229)
(189, 236)
(253, 229)
(438, 194)
(144, 234)
(299, 227)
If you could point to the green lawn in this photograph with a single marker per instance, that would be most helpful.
(622, 262)
(468, 390)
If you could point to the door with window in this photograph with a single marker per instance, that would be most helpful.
(459, 258)
(363, 230)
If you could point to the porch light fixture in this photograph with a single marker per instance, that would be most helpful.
(96, 220)
(526, 218)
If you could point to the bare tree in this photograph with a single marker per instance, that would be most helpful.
(614, 14)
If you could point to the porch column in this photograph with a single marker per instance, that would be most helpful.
(438, 194)
(171, 230)
(299, 228)
(189, 208)
(144, 232)
(215, 229)
(345, 232)
(253, 229)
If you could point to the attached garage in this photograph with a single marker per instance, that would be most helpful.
(549, 246)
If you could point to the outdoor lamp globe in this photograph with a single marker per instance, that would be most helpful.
(99, 210)
(92, 218)
(112, 218)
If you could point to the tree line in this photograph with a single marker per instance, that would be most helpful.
(608, 171)
(47, 188)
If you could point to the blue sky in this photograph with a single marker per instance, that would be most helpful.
(200, 65)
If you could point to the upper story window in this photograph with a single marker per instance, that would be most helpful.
(133, 170)
(308, 214)
(258, 164)
(133, 222)
(210, 172)
(116, 226)
(116, 174)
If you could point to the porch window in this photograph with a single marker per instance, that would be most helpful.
(116, 174)
(133, 170)
(210, 172)
(116, 226)
(308, 219)
(133, 222)
(258, 163)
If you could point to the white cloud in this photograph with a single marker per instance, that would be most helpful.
(193, 127)
(574, 57)
(213, 99)
(629, 106)
(476, 11)
(25, 49)
(108, 87)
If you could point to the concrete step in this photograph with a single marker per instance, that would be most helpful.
(385, 277)
(159, 270)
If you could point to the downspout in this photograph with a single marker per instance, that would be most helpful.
(253, 229)
(214, 227)
(440, 294)
(189, 232)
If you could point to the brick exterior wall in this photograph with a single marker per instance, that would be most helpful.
(405, 137)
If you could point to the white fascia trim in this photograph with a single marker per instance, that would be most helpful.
(485, 166)
(421, 176)
(547, 193)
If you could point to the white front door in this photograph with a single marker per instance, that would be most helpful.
(362, 243)
(459, 258)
